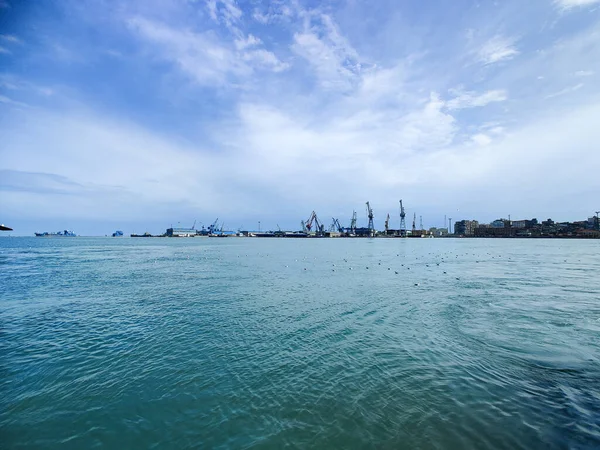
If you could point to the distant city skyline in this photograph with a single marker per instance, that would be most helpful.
(143, 114)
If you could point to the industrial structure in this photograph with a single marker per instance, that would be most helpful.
(402, 220)
(314, 227)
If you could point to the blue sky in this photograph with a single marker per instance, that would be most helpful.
(138, 115)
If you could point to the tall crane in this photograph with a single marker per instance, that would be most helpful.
(370, 216)
(314, 219)
(353, 223)
(212, 227)
(414, 228)
(420, 222)
(387, 224)
(597, 220)
(402, 220)
(335, 226)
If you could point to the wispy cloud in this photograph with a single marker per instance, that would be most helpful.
(4, 50)
(249, 41)
(9, 101)
(570, 4)
(203, 56)
(335, 61)
(497, 49)
(471, 99)
(584, 73)
(567, 90)
(224, 11)
(10, 38)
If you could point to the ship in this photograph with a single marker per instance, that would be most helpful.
(117, 233)
(5, 228)
(64, 233)
(146, 234)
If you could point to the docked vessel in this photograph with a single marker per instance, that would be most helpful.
(64, 233)
(117, 233)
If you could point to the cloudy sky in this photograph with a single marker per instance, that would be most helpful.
(138, 115)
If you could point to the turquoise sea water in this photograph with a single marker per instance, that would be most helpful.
(266, 343)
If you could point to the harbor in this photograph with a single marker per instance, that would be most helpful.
(314, 227)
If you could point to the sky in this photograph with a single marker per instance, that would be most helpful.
(144, 114)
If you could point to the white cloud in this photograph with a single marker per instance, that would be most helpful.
(18, 84)
(265, 58)
(584, 73)
(224, 11)
(10, 38)
(471, 99)
(567, 90)
(497, 49)
(9, 101)
(202, 56)
(250, 41)
(4, 50)
(481, 139)
(333, 59)
(569, 4)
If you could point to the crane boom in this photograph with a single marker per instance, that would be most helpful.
(402, 220)
(353, 223)
(370, 216)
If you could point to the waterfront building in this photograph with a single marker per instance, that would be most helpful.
(465, 227)
(181, 232)
(438, 232)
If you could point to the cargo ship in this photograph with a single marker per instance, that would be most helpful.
(64, 233)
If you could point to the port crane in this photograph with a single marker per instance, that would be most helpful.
(370, 216)
(414, 227)
(213, 227)
(387, 223)
(314, 219)
(353, 223)
(402, 220)
(335, 226)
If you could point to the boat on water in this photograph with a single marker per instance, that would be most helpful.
(5, 228)
(117, 233)
(146, 234)
(63, 233)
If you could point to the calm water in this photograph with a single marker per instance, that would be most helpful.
(239, 343)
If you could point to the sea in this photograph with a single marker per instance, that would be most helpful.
(237, 343)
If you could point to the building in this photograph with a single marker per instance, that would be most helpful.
(181, 232)
(438, 232)
(499, 223)
(495, 232)
(465, 227)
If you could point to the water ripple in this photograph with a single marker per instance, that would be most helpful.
(240, 343)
